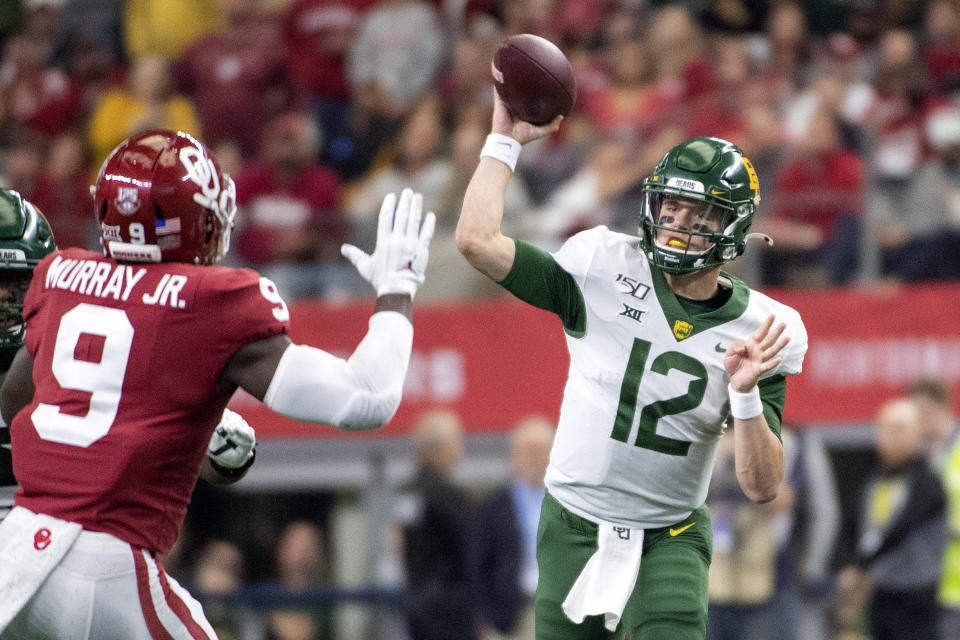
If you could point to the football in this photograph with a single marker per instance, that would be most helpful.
(533, 78)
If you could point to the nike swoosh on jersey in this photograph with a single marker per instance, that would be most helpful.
(720, 349)
(676, 532)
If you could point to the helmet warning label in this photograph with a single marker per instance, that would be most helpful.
(685, 184)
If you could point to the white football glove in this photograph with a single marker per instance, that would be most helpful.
(233, 442)
(399, 260)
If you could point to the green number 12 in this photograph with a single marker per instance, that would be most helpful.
(647, 436)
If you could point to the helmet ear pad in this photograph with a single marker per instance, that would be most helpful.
(710, 170)
(161, 197)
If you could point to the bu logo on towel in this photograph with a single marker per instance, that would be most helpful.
(41, 539)
(622, 532)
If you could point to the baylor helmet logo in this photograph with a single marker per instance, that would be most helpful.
(752, 173)
(682, 329)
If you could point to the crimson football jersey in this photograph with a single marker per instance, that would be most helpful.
(127, 359)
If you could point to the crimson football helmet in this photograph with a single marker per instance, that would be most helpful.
(161, 197)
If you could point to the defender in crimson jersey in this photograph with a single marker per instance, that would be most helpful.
(118, 381)
(25, 238)
(134, 355)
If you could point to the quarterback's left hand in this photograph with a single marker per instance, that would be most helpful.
(233, 442)
(747, 361)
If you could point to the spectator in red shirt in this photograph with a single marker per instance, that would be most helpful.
(626, 104)
(319, 34)
(641, 91)
(237, 77)
(720, 110)
(941, 45)
(788, 47)
(62, 192)
(816, 225)
(894, 121)
(34, 96)
(21, 163)
(465, 82)
(290, 225)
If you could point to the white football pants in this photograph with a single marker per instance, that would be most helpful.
(105, 589)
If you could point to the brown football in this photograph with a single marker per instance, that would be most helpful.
(533, 78)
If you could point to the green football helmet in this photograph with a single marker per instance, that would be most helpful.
(716, 173)
(25, 238)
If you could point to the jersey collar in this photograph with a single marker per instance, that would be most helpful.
(683, 325)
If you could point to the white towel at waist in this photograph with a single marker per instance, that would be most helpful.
(31, 545)
(607, 580)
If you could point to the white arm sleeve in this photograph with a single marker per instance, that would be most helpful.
(361, 392)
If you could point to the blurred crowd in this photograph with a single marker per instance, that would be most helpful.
(853, 548)
(849, 109)
(878, 563)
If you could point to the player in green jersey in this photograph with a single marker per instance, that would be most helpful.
(25, 238)
(664, 347)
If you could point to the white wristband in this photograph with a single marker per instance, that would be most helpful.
(744, 406)
(502, 148)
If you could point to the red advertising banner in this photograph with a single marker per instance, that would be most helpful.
(498, 361)
(866, 347)
(491, 362)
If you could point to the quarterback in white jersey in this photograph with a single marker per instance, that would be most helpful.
(664, 348)
(639, 342)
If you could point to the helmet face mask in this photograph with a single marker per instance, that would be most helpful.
(698, 204)
(684, 225)
(161, 197)
(13, 290)
(25, 238)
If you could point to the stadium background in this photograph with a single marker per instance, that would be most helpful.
(318, 107)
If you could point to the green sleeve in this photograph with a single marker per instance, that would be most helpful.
(773, 394)
(537, 279)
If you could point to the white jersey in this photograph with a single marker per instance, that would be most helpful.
(646, 396)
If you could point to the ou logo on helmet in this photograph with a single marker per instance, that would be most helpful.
(203, 173)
